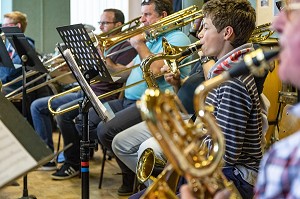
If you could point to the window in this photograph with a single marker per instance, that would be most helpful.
(88, 12)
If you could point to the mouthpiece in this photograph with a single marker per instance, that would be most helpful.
(191, 49)
(255, 62)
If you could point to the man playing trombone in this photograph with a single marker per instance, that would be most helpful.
(110, 19)
(126, 112)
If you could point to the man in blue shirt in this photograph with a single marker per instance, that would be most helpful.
(126, 112)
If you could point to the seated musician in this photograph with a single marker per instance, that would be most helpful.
(227, 26)
(110, 19)
(126, 112)
(8, 75)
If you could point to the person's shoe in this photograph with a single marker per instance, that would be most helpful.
(125, 190)
(66, 171)
(127, 187)
(49, 166)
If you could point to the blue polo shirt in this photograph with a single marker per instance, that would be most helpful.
(176, 38)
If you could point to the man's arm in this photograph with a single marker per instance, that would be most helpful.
(114, 67)
(139, 43)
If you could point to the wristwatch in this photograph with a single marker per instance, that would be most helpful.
(205, 59)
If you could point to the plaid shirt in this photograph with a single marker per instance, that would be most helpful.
(279, 174)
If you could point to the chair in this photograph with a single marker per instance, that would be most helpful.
(103, 164)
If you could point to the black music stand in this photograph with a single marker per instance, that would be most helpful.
(30, 61)
(86, 64)
(18, 153)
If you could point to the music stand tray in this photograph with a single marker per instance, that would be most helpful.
(86, 64)
(26, 52)
(85, 53)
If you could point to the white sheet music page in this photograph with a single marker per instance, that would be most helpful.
(104, 113)
(15, 160)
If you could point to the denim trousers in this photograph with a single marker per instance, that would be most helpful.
(126, 115)
(246, 190)
(41, 115)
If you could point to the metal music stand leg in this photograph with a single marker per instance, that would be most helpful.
(85, 146)
(24, 112)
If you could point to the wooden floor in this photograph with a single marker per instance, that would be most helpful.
(42, 186)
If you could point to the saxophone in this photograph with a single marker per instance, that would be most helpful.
(182, 142)
(172, 55)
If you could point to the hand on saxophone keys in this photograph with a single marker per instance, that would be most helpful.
(171, 77)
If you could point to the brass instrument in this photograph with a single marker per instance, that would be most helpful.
(52, 66)
(172, 56)
(170, 22)
(149, 166)
(182, 141)
(58, 112)
(166, 24)
(55, 63)
(262, 34)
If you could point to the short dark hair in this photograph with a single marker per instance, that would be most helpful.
(239, 14)
(119, 16)
(160, 5)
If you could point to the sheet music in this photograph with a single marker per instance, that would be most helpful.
(15, 160)
(104, 113)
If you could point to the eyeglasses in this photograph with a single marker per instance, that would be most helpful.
(105, 23)
(8, 24)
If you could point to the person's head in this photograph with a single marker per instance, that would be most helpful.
(110, 19)
(154, 10)
(227, 24)
(15, 18)
(287, 23)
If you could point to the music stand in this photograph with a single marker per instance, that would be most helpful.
(18, 153)
(86, 64)
(30, 61)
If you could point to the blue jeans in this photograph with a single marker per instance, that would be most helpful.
(245, 189)
(126, 115)
(41, 115)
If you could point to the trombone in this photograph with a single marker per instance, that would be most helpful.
(166, 24)
(16, 94)
(132, 24)
(154, 30)
(58, 112)
(173, 56)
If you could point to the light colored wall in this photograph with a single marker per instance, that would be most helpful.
(264, 14)
(43, 18)
(134, 9)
